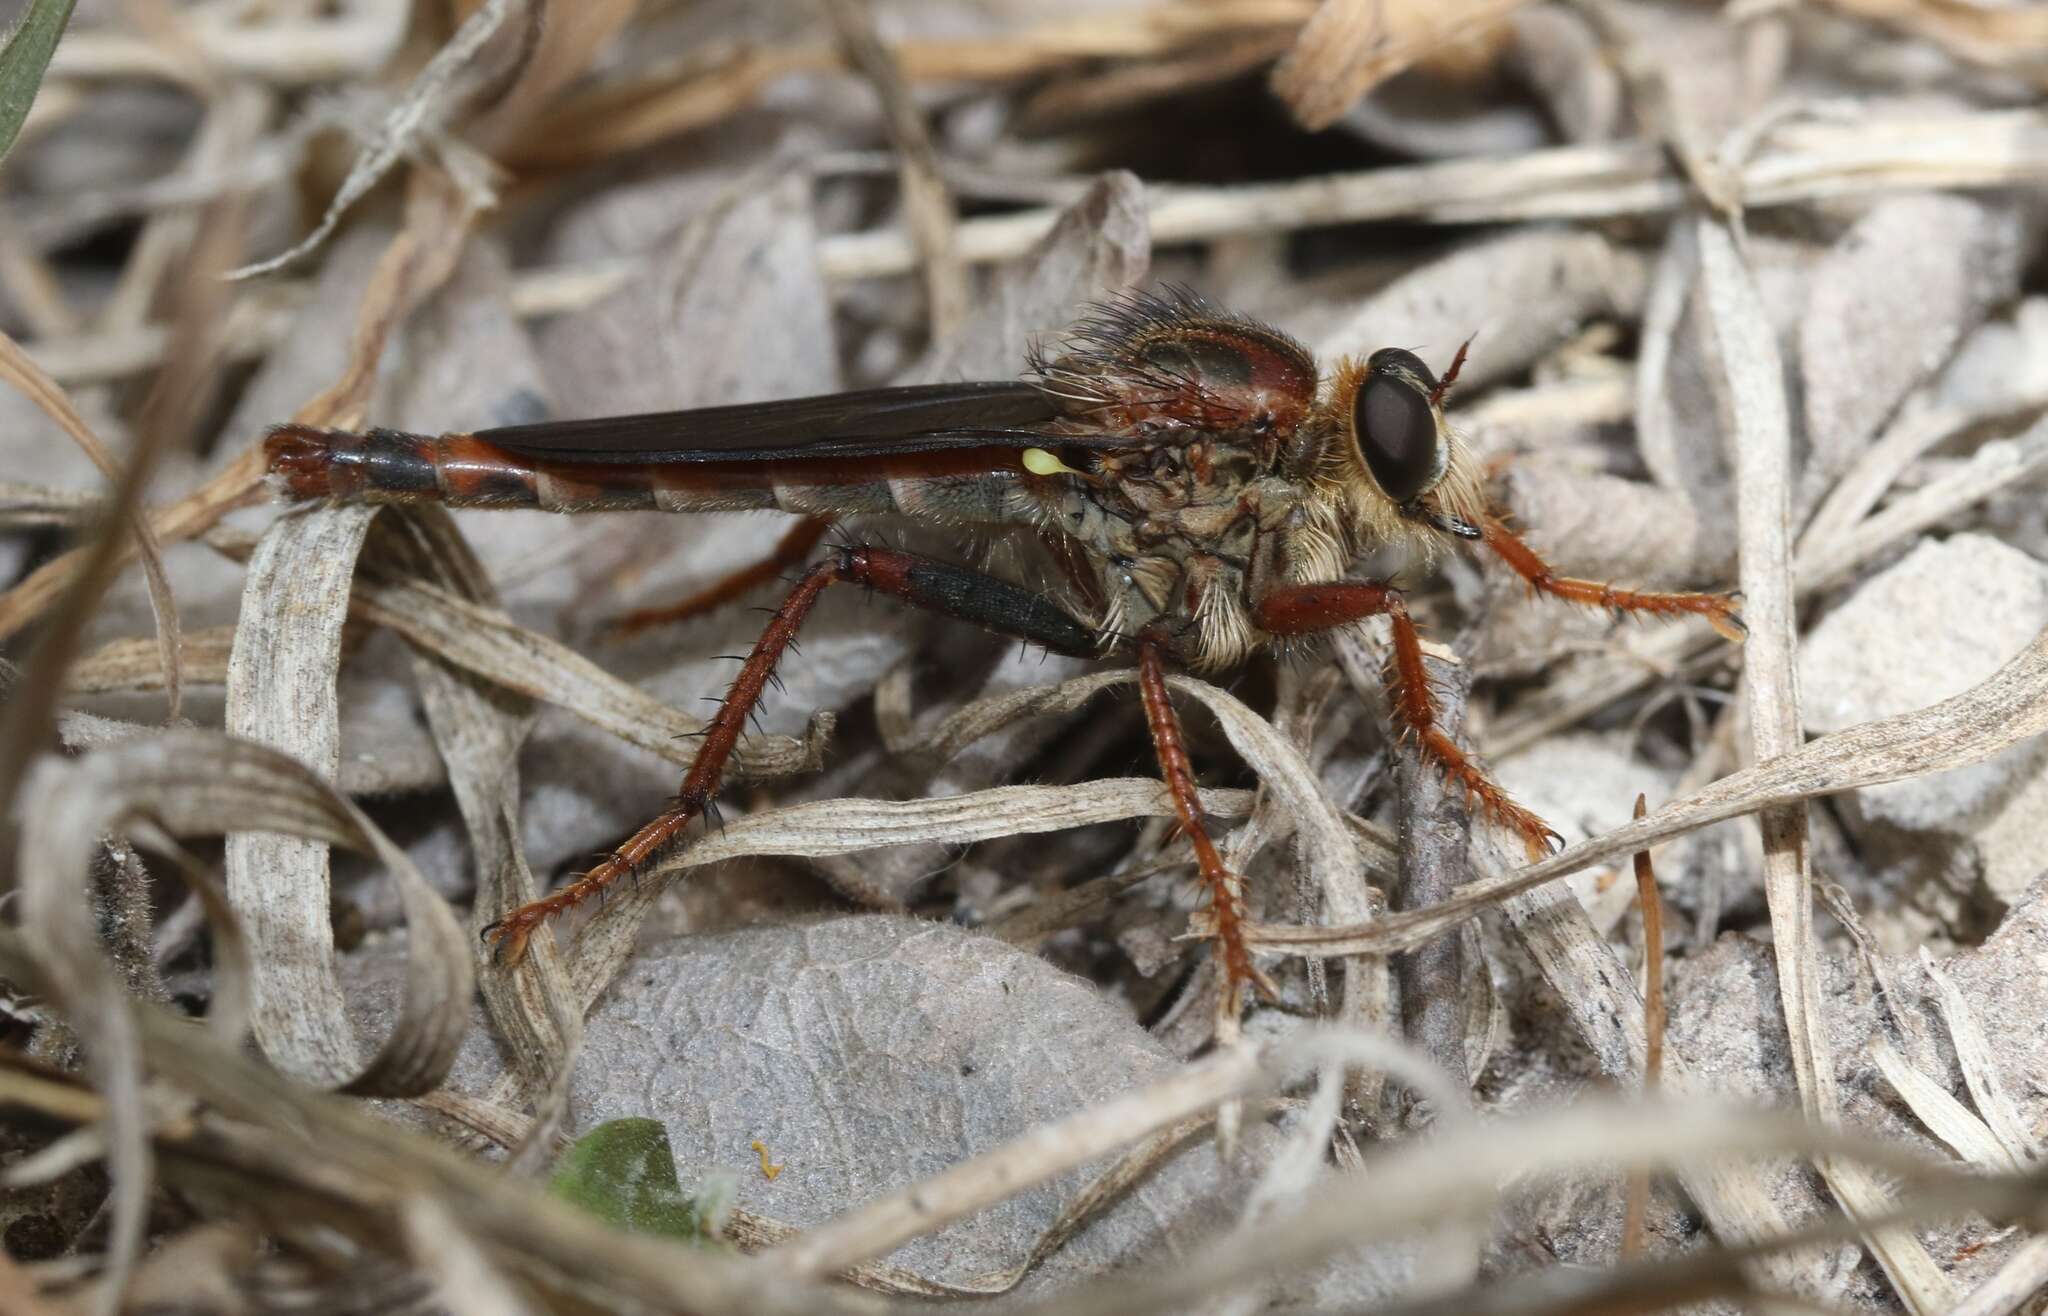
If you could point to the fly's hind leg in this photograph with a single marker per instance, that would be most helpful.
(1718, 609)
(1311, 609)
(936, 586)
(794, 546)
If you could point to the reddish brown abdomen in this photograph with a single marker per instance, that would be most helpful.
(391, 466)
(461, 470)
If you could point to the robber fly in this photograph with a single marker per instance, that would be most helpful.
(1188, 475)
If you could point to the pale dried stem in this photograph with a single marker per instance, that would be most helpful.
(2010, 39)
(927, 203)
(1802, 162)
(355, 43)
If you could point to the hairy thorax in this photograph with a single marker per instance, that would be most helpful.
(1175, 540)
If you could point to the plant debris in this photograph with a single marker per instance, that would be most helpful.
(1753, 298)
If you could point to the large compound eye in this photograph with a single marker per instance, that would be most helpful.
(1396, 426)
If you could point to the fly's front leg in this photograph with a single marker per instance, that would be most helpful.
(1226, 899)
(1312, 609)
(936, 586)
(1718, 609)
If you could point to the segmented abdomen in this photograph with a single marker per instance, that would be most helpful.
(463, 470)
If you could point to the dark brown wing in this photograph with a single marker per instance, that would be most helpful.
(919, 418)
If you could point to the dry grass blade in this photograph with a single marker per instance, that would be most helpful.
(133, 665)
(848, 826)
(885, 1223)
(1981, 1070)
(1798, 164)
(27, 505)
(1653, 1026)
(419, 114)
(1760, 432)
(1754, 399)
(479, 733)
(1948, 1119)
(198, 783)
(1435, 845)
(2018, 1282)
(20, 370)
(1351, 46)
(1997, 465)
(281, 693)
(484, 641)
(1416, 1187)
(2013, 39)
(927, 204)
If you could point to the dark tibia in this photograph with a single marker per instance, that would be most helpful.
(956, 591)
(991, 604)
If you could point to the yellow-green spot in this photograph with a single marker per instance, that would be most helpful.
(1038, 461)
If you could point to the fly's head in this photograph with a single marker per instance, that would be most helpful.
(1392, 462)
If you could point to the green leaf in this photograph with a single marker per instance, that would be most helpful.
(624, 1172)
(24, 54)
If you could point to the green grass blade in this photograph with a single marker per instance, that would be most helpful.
(23, 57)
